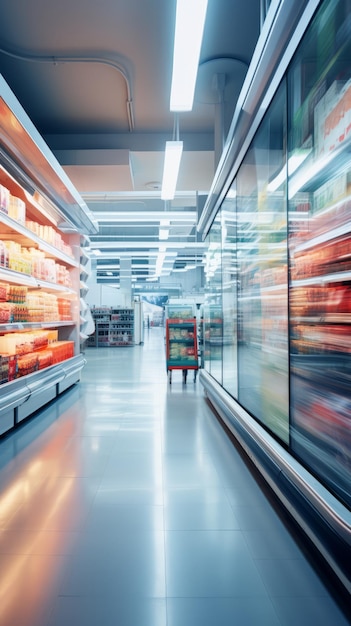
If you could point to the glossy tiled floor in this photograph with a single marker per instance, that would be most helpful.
(125, 504)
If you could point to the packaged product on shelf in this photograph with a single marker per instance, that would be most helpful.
(4, 369)
(338, 299)
(48, 234)
(8, 367)
(4, 199)
(42, 307)
(17, 294)
(37, 258)
(32, 226)
(63, 276)
(332, 204)
(27, 364)
(40, 339)
(20, 313)
(64, 309)
(4, 291)
(52, 335)
(4, 255)
(18, 260)
(331, 192)
(324, 126)
(35, 309)
(4, 372)
(50, 270)
(23, 343)
(16, 343)
(11, 366)
(45, 359)
(51, 308)
(6, 312)
(67, 249)
(17, 209)
(62, 350)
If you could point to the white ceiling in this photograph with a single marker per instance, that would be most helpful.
(95, 77)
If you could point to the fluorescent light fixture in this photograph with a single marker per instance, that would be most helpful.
(164, 229)
(159, 263)
(173, 155)
(163, 233)
(123, 247)
(146, 216)
(190, 22)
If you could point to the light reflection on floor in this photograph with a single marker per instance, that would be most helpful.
(125, 503)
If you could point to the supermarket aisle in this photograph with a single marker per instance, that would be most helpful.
(124, 503)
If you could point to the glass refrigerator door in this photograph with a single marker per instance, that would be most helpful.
(213, 320)
(262, 270)
(319, 192)
(229, 293)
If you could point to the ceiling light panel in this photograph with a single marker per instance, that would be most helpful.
(190, 22)
(173, 155)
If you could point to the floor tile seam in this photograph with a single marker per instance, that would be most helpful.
(248, 599)
(246, 531)
(260, 506)
(271, 595)
(249, 596)
(297, 559)
(209, 530)
(261, 577)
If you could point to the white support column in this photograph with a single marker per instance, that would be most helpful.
(126, 280)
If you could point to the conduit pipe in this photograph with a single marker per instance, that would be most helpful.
(55, 60)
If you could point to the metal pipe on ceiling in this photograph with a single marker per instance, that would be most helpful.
(54, 60)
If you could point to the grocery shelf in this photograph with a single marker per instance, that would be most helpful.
(114, 327)
(38, 360)
(18, 326)
(11, 276)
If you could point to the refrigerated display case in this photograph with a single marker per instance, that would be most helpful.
(287, 158)
(41, 220)
(320, 249)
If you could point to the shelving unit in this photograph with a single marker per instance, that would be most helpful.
(114, 327)
(41, 221)
(84, 274)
